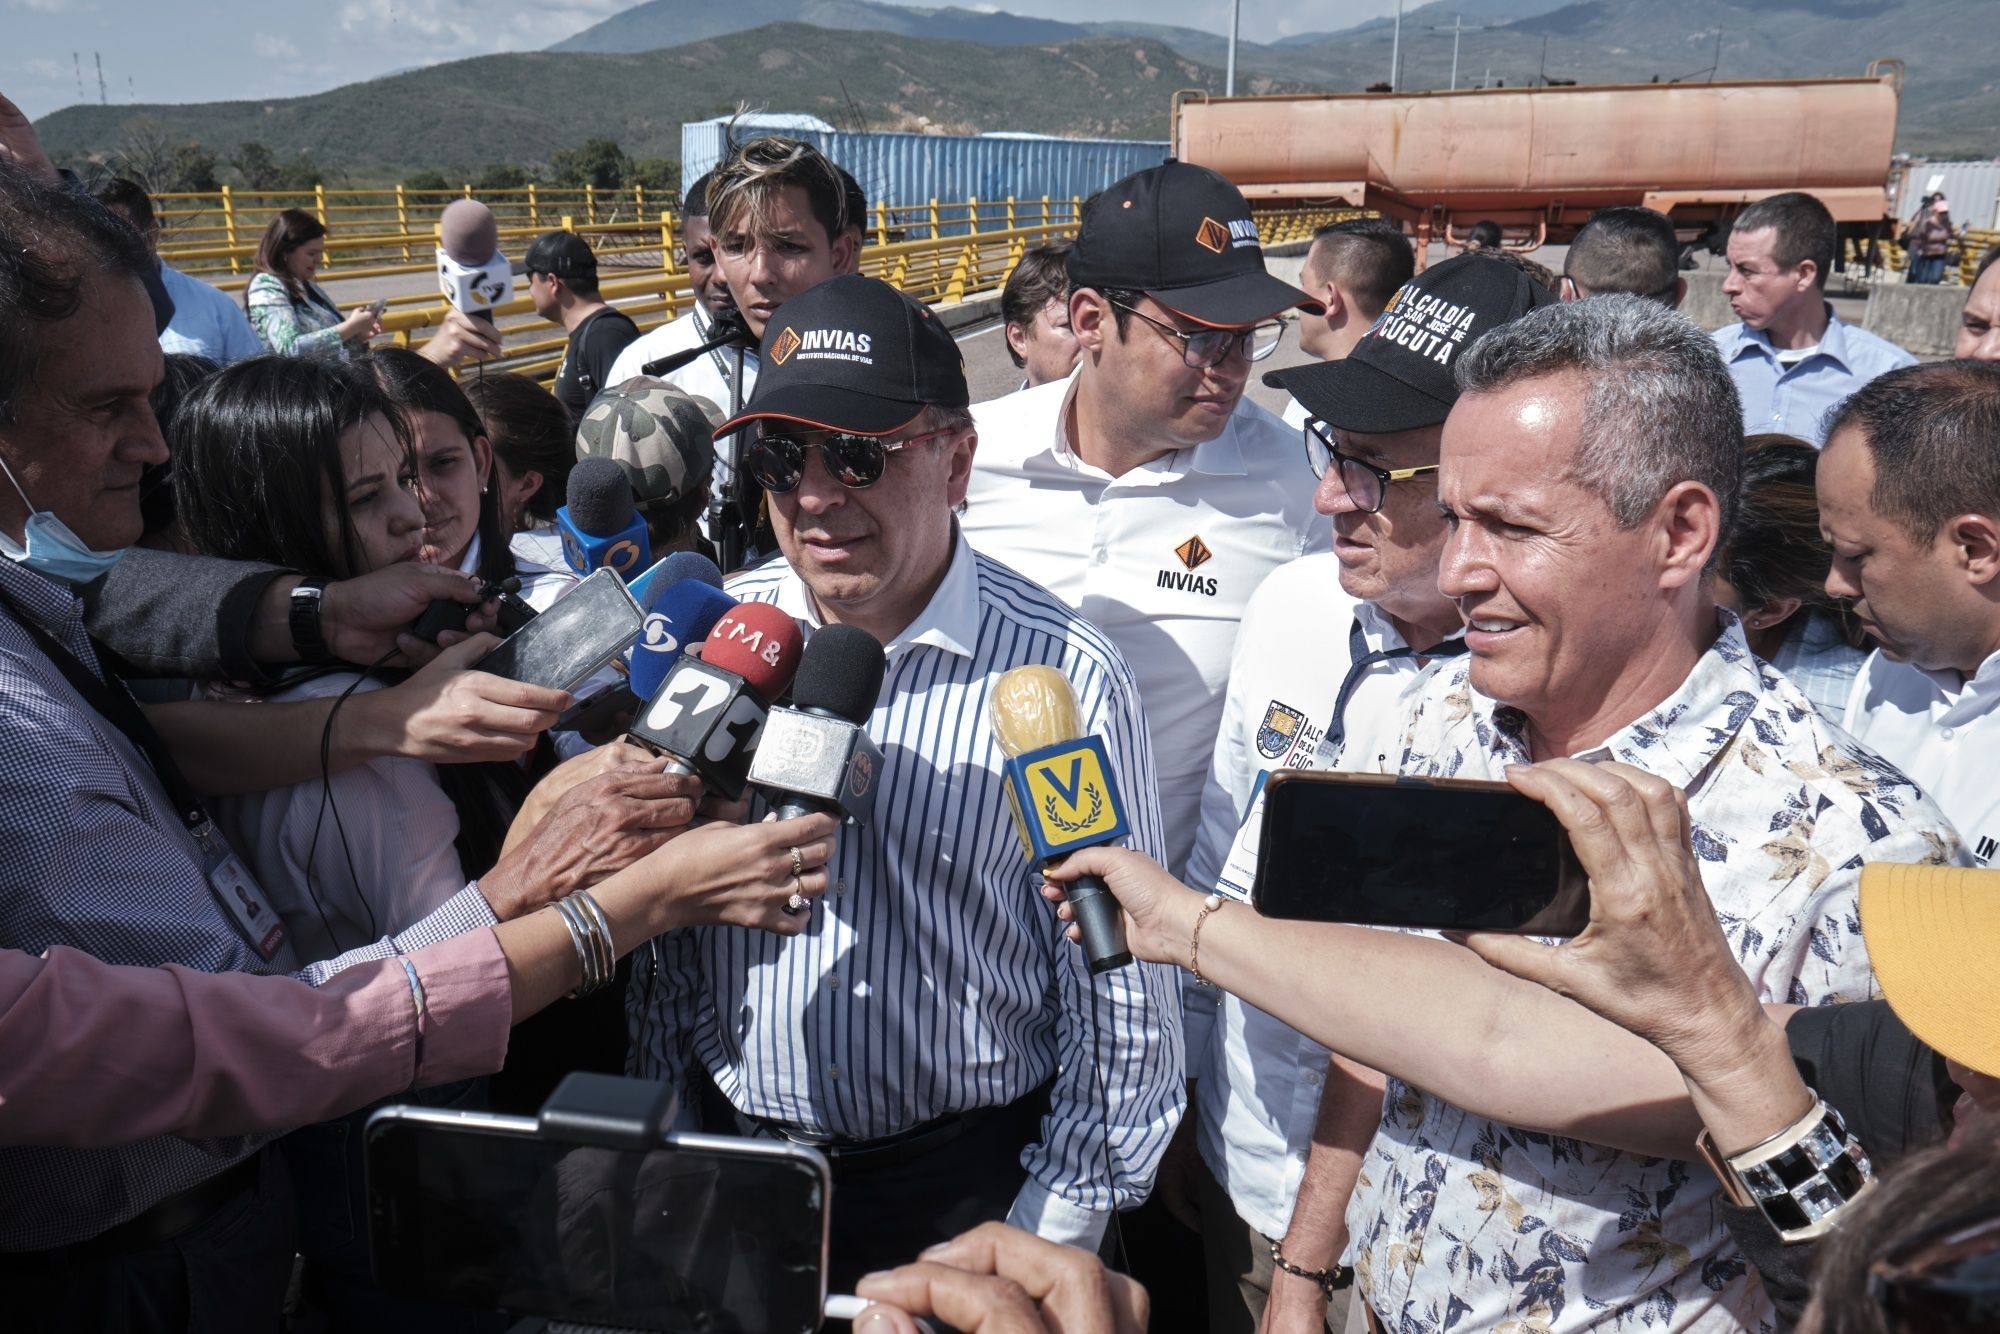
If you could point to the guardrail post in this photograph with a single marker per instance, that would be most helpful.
(319, 211)
(229, 227)
(468, 189)
(1011, 224)
(638, 199)
(667, 244)
(1045, 210)
(403, 217)
(1076, 210)
(589, 204)
(934, 217)
(534, 207)
(971, 214)
(881, 222)
(954, 288)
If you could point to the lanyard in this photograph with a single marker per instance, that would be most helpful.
(1359, 660)
(116, 705)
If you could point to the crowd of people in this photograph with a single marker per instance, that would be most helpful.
(1725, 604)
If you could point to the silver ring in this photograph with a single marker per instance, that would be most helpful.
(796, 904)
(798, 862)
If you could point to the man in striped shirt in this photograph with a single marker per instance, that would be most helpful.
(931, 1029)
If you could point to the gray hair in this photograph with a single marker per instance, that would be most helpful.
(1660, 408)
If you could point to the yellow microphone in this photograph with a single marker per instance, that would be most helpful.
(1061, 794)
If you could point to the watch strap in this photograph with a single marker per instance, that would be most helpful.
(308, 641)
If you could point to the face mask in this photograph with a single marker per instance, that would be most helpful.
(52, 549)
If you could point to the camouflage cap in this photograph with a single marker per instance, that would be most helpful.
(662, 436)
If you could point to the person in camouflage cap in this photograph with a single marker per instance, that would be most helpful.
(664, 439)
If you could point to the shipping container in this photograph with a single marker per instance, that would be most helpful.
(1972, 188)
(904, 169)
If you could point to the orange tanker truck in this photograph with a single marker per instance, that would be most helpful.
(1540, 160)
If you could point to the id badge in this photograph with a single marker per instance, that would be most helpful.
(239, 893)
(1239, 869)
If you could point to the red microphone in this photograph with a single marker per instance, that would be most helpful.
(708, 713)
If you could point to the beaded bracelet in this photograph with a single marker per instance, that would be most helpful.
(1209, 905)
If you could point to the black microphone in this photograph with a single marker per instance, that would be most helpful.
(600, 524)
(729, 330)
(815, 756)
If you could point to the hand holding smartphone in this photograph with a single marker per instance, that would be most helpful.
(1437, 854)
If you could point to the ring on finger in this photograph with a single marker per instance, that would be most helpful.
(796, 904)
(798, 862)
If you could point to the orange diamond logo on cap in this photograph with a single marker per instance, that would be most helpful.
(788, 343)
(1194, 552)
(1212, 235)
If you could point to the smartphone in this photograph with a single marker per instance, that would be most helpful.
(377, 306)
(1434, 853)
(704, 1232)
(564, 646)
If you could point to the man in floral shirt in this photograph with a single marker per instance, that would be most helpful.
(1589, 472)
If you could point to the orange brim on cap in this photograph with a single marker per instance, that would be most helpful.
(1933, 935)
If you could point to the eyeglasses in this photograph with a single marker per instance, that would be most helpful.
(1948, 1278)
(1207, 347)
(777, 459)
(1366, 485)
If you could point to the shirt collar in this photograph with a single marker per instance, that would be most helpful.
(1378, 630)
(1220, 457)
(470, 565)
(949, 621)
(1832, 343)
(1683, 735)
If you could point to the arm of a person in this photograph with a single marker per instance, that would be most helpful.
(174, 1051)
(1350, 1109)
(175, 615)
(1121, 1059)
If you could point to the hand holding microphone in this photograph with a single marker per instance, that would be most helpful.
(472, 273)
(1062, 795)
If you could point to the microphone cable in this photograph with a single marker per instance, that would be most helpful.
(327, 802)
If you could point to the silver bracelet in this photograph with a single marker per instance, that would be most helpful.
(423, 1015)
(592, 941)
(601, 933)
(586, 962)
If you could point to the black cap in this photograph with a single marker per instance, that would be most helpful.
(564, 254)
(1184, 236)
(1399, 376)
(854, 354)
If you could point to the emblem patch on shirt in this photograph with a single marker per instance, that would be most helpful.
(1212, 235)
(788, 343)
(1279, 730)
(1194, 552)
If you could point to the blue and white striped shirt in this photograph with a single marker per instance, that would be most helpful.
(934, 978)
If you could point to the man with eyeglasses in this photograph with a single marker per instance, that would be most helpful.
(1144, 490)
(930, 1030)
(1328, 645)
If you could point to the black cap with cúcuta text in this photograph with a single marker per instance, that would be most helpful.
(1184, 236)
(1400, 376)
(854, 354)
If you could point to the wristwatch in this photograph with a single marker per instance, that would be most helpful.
(1337, 1279)
(307, 640)
(1801, 1179)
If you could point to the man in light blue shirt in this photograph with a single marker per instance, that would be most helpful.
(205, 321)
(1792, 358)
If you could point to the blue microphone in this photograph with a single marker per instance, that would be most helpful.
(600, 526)
(683, 613)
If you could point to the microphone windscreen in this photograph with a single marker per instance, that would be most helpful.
(599, 496)
(468, 232)
(759, 643)
(841, 673)
(1032, 707)
(682, 566)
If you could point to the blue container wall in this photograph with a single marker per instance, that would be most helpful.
(902, 169)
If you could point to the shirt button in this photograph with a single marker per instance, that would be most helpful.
(833, 980)
(840, 887)
(1312, 1080)
(833, 1072)
(1947, 733)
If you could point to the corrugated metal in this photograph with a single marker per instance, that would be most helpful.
(914, 168)
(1972, 187)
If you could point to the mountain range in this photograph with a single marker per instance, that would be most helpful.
(636, 76)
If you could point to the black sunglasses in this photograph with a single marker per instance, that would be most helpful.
(777, 458)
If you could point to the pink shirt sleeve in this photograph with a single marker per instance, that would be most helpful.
(93, 1055)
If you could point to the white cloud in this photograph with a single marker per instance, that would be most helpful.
(268, 47)
(44, 68)
(40, 6)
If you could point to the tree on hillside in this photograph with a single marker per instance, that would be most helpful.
(503, 176)
(149, 155)
(596, 162)
(658, 174)
(430, 178)
(256, 165)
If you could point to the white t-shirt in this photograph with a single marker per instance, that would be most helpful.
(1258, 1081)
(707, 376)
(1942, 731)
(1163, 559)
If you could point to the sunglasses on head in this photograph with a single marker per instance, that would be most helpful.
(777, 456)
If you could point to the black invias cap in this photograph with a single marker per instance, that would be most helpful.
(840, 673)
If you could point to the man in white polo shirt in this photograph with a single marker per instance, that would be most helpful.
(1144, 490)
(1328, 645)
(1909, 494)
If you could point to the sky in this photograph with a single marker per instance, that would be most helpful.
(221, 50)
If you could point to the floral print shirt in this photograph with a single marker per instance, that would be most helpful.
(302, 329)
(1463, 1223)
